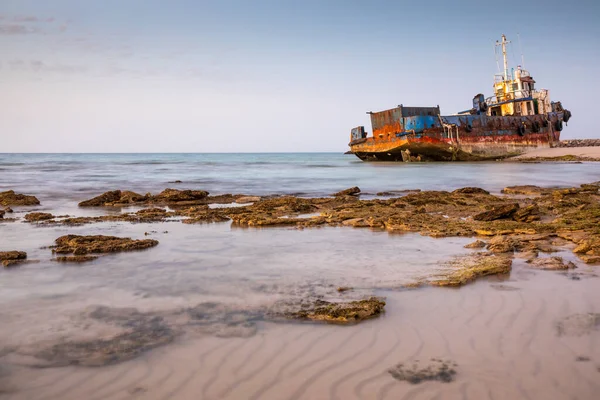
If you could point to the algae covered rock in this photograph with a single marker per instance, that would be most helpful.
(81, 245)
(38, 216)
(524, 190)
(466, 269)
(102, 200)
(478, 244)
(353, 191)
(342, 313)
(247, 199)
(471, 190)
(527, 214)
(10, 258)
(10, 198)
(498, 212)
(75, 259)
(504, 244)
(551, 263)
(176, 196)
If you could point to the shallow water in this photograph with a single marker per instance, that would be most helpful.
(502, 333)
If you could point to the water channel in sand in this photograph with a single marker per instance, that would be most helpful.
(531, 335)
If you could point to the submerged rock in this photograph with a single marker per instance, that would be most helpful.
(75, 259)
(10, 258)
(10, 198)
(467, 269)
(81, 245)
(578, 324)
(113, 350)
(344, 313)
(551, 263)
(38, 216)
(437, 370)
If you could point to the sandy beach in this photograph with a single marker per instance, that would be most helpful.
(583, 153)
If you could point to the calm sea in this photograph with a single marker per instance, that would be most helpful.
(72, 177)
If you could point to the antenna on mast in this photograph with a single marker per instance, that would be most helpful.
(496, 55)
(503, 43)
(521, 50)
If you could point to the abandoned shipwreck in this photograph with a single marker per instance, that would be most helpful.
(516, 118)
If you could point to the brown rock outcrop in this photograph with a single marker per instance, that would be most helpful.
(10, 198)
(126, 197)
(75, 259)
(341, 313)
(353, 191)
(102, 200)
(471, 190)
(178, 196)
(10, 258)
(468, 268)
(81, 245)
(498, 212)
(38, 216)
(478, 244)
(551, 263)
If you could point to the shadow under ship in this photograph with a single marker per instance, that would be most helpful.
(517, 118)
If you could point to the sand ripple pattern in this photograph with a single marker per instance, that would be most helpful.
(503, 337)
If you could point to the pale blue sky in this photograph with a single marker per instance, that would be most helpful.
(234, 76)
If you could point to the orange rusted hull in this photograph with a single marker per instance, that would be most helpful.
(456, 138)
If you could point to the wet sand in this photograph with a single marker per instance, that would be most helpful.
(580, 152)
(511, 338)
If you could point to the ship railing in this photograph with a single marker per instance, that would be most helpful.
(513, 96)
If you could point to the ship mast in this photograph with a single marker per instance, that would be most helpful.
(503, 44)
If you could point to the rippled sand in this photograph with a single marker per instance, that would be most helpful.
(527, 337)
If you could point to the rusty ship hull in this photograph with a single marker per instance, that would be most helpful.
(455, 138)
(515, 119)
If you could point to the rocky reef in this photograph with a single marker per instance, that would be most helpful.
(526, 219)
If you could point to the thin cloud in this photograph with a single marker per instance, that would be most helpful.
(28, 18)
(16, 29)
(41, 66)
(32, 18)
